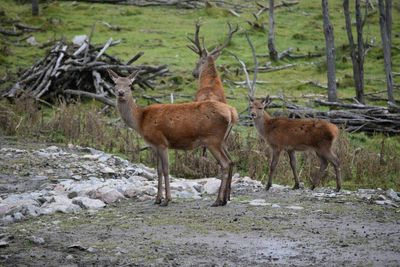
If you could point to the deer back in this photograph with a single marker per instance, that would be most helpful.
(299, 134)
(186, 126)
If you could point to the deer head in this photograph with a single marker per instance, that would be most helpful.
(206, 57)
(257, 107)
(123, 84)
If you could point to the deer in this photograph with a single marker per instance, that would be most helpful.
(178, 126)
(210, 84)
(290, 135)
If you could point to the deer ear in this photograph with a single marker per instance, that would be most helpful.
(133, 75)
(113, 75)
(266, 101)
(215, 55)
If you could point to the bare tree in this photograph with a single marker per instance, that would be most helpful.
(385, 21)
(273, 54)
(330, 53)
(356, 50)
(35, 7)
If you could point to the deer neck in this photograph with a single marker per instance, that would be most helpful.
(261, 122)
(130, 113)
(209, 76)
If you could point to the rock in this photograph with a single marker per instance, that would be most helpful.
(53, 148)
(149, 190)
(108, 170)
(36, 240)
(295, 207)
(69, 257)
(76, 177)
(32, 41)
(212, 186)
(4, 209)
(91, 250)
(107, 195)
(59, 204)
(258, 202)
(88, 203)
(276, 206)
(91, 157)
(72, 194)
(390, 193)
(381, 197)
(132, 191)
(4, 243)
(366, 191)
(18, 216)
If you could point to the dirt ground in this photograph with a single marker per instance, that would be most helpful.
(292, 229)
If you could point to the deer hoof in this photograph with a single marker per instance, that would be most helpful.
(338, 189)
(267, 187)
(157, 202)
(164, 203)
(312, 187)
(218, 203)
(296, 186)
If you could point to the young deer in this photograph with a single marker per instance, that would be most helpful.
(179, 126)
(290, 135)
(210, 84)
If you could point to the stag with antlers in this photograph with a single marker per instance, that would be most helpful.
(210, 84)
(179, 126)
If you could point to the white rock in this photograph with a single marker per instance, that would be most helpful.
(88, 203)
(275, 206)
(107, 195)
(36, 240)
(392, 195)
(108, 170)
(212, 186)
(59, 204)
(295, 207)
(258, 202)
(32, 41)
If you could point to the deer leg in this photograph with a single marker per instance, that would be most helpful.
(322, 169)
(229, 183)
(275, 159)
(165, 169)
(292, 159)
(332, 158)
(224, 162)
(159, 175)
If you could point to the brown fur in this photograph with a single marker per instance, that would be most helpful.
(290, 135)
(210, 84)
(179, 126)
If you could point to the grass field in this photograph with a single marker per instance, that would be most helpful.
(161, 34)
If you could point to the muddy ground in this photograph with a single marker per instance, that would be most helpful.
(289, 228)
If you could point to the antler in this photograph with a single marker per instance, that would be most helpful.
(196, 46)
(231, 32)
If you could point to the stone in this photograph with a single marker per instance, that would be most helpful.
(88, 203)
(258, 202)
(18, 216)
(107, 195)
(76, 177)
(4, 243)
(107, 170)
(59, 203)
(295, 207)
(212, 186)
(36, 240)
(91, 250)
(392, 195)
(32, 41)
(275, 206)
(69, 257)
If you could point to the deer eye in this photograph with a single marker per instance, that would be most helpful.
(260, 108)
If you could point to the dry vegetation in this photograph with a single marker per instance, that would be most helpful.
(91, 125)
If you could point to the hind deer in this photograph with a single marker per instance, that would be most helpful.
(210, 84)
(290, 135)
(178, 126)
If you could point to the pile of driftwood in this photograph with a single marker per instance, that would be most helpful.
(79, 70)
(352, 117)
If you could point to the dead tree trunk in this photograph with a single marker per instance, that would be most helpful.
(330, 53)
(35, 7)
(273, 54)
(384, 21)
(356, 51)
